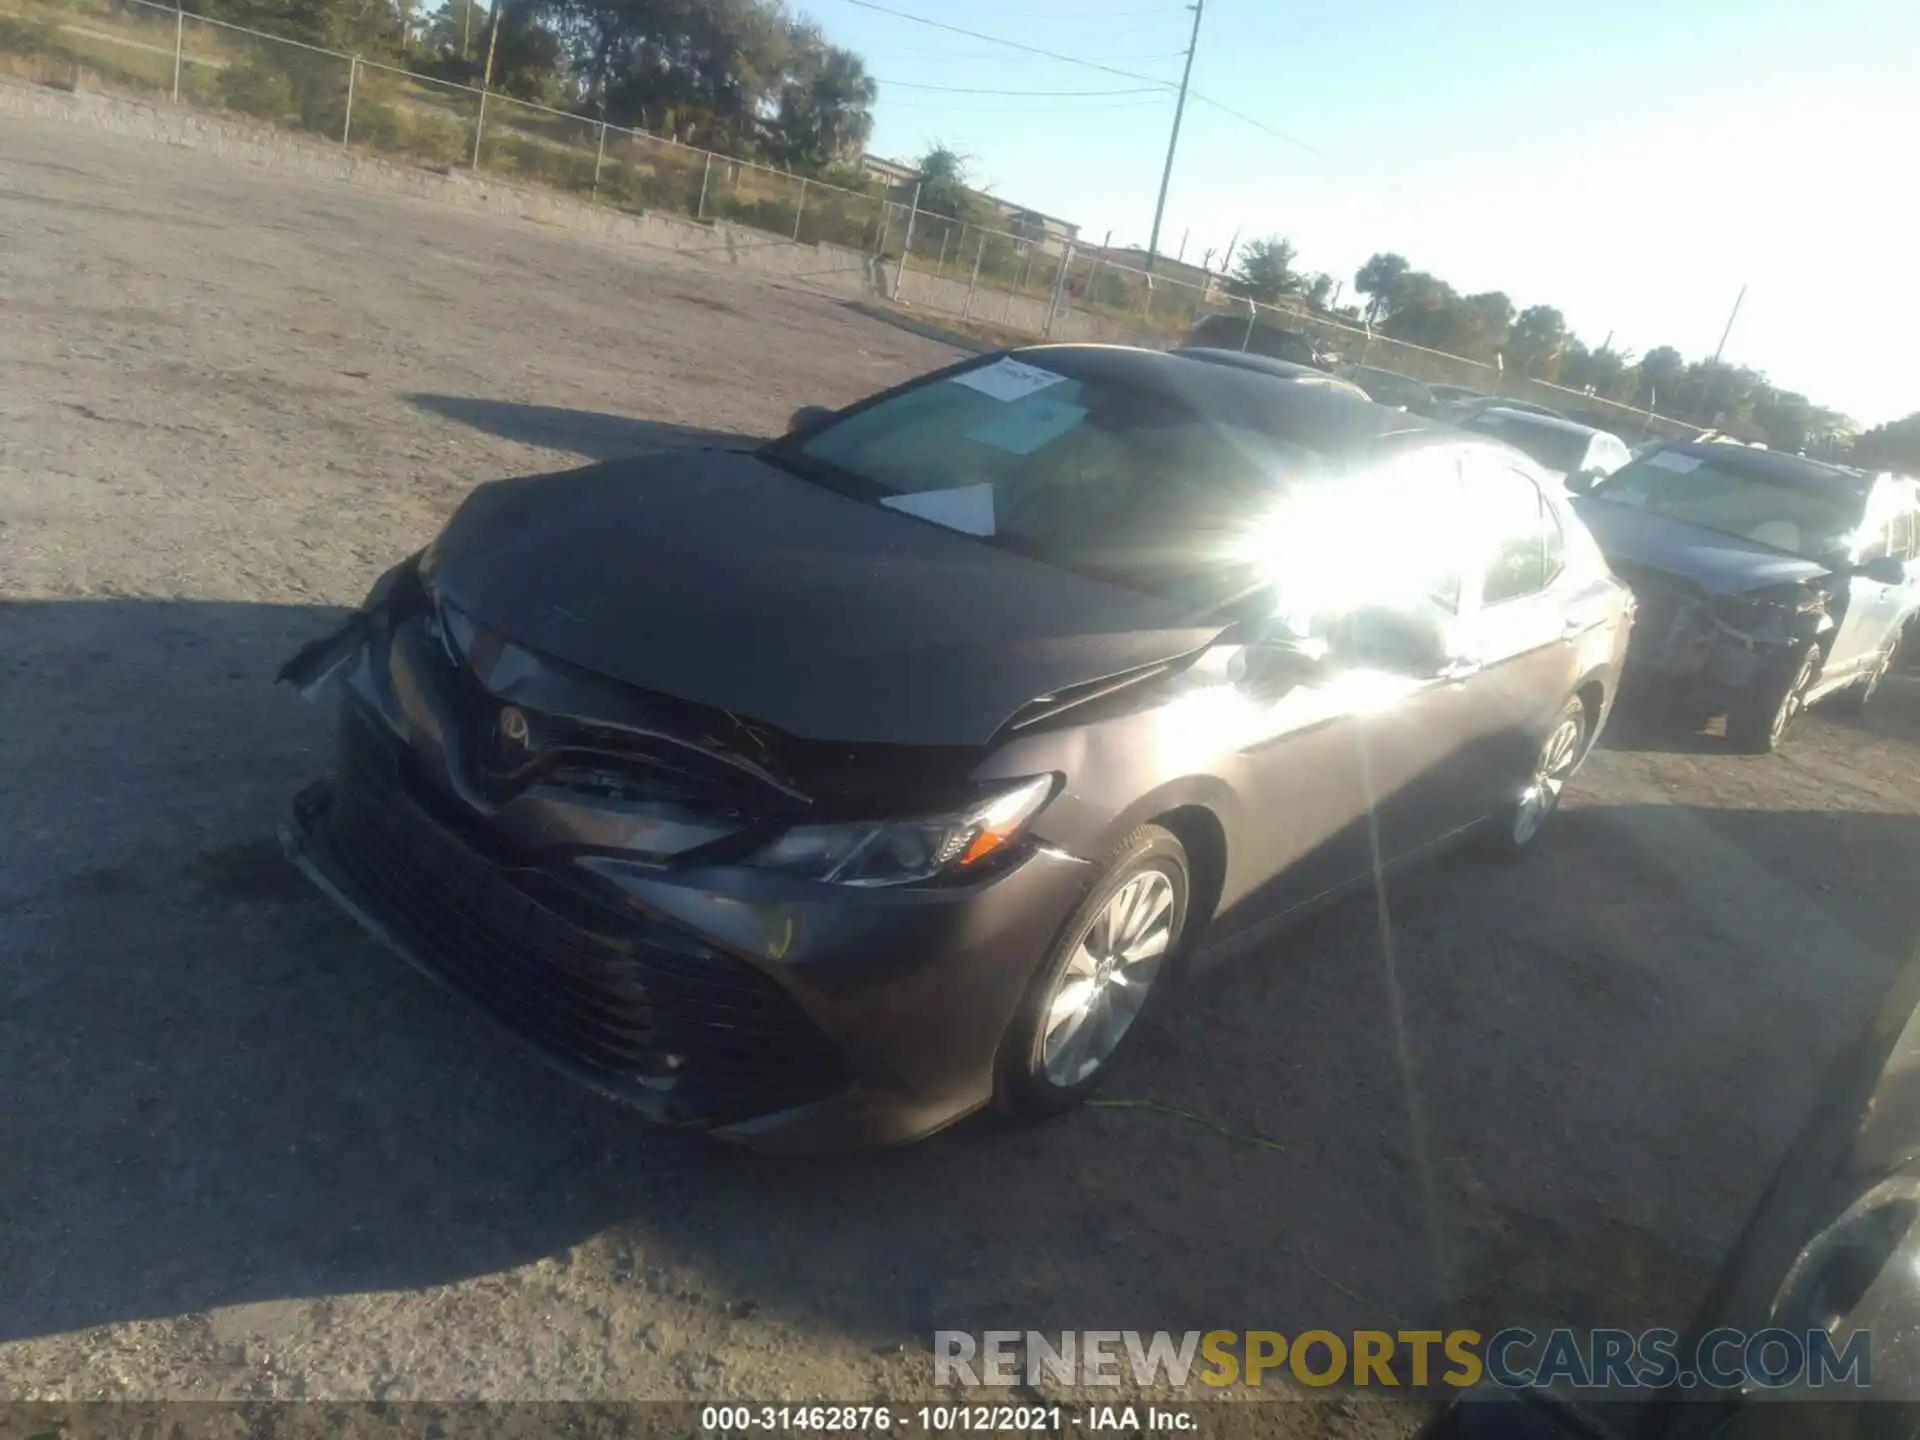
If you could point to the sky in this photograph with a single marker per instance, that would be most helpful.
(1632, 162)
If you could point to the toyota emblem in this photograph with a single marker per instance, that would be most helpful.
(513, 728)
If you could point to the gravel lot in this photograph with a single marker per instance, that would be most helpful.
(243, 1152)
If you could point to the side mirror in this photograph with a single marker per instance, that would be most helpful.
(1580, 482)
(807, 417)
(1883, 570)
(1275, 664)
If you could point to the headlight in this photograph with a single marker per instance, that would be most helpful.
(1775, 608)
(899, 852)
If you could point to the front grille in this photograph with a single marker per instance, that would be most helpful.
(651, 1014)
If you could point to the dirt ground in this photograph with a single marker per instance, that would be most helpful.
(243, 1152)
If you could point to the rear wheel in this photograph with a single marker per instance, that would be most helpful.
(1523, 817)
(1112, 961)
(1760, 721)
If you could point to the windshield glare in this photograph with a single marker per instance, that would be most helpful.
(1111, 480)
(1814, 520)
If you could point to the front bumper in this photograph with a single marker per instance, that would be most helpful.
(1681, 651)
(792, 1016)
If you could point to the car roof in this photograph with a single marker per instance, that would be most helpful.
(1773, 464)
(1220, 318)
(1333, 422)
(1252, 361)
(1539, 421)
(1525, 407)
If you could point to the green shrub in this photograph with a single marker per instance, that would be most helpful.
(22, 36)
(253, 87)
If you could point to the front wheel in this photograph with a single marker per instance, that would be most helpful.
(1112, 960)
(1760, 721)
(1523, 817)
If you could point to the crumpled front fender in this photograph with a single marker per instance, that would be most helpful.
(317, 661)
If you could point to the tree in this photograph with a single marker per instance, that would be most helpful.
(708, 72)
(1265, 272)
(1720, 395)
(366, 25)
(1537, 340)
(1486, 320)
(1892, 446)
(1603, 372)
(527, 60)
(825, 114)
(1319, 291)
(1423, 310)
(943, 183)
(1661, 371)
(1379, 280)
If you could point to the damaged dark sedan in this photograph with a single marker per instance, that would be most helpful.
(822, 793)
(1766, 581)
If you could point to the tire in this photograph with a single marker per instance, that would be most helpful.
(1040, 1071)
(1759, 724)
(1856, 697)
(1518, 823)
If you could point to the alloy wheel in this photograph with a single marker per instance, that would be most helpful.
(1557, 761)
(1107, 978)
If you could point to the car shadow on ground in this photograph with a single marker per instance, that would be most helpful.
(1650, 724)
(219, 1092)
(588, 433)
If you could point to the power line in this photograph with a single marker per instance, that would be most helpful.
(999, 40)
(1257, 124)
(1081, 61)
(1098, 13)
(1001, 56)
(969, 90)
(999, 107)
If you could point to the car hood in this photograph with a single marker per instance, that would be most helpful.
(715, 577)
(1719, 564)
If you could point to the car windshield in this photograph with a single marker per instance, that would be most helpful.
(1812, 516)
(1553, 446)
(1138, 486)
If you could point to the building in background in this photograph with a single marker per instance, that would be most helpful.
(1049, 233)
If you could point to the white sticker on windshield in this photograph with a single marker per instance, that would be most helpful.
(966, 508)
(1008, 379)
(1668, 460)
(1022, 429)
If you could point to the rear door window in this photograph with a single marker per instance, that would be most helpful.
(1516, 524)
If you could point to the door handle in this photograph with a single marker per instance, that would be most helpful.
(1461, 668)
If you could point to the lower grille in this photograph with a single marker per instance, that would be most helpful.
(681, 1029)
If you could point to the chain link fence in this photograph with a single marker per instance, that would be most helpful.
(1027, 284)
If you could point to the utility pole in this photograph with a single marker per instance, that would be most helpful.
(486, 80)
(1226, 261)
(1730, 319)
(1173, 140)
